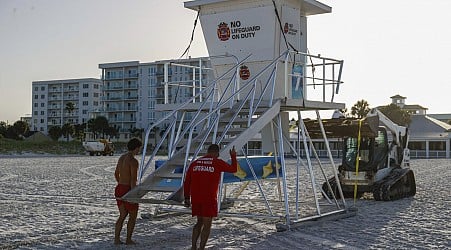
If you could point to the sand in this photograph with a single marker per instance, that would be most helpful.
(66, 202)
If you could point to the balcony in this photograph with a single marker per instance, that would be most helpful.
(73, 114)
(131, 86)
(112, 98)
(131, 108)
(105, 78)
(71, 89)
(131, 97)
(132, 75)
(113, 87)
(71, 97)
(52, 90)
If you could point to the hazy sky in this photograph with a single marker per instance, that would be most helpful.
(389, 46)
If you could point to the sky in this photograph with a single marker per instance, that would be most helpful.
(388, 47)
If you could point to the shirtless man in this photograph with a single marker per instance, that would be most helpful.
(126, 176)
(201, 191)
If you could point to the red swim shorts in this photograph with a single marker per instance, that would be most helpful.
(204, 209)
(121, 190)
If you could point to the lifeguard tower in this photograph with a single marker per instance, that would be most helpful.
(258, 51)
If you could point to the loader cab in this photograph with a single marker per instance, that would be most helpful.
(373, 152)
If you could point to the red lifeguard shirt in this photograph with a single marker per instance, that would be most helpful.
(203, 176)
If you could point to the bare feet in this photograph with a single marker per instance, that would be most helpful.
(130, 242)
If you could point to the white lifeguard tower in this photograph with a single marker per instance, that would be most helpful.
(258, 51)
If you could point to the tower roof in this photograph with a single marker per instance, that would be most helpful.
(398, 97)
(310, 7)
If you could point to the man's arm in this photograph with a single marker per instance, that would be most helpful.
(133, 172)
(116, 172)
(225, 167)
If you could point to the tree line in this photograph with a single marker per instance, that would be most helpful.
(99, 126)
(361, 108)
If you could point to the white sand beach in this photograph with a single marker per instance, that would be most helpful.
(67, 202)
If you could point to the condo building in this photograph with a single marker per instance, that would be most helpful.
(57, 102)
(131, 90)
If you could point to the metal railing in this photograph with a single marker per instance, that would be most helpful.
(178, 127)
(311, 71)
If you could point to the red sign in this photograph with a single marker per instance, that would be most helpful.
(244, 72)
(223, 32)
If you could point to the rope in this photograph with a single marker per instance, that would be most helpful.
(281, 28)
(192, 35)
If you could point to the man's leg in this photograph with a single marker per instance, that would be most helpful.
(119, 224)
(131, 226)
(206, 226)
(196, 232)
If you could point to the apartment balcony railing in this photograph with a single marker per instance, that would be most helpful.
(135, 75)
(71, 89)
(114, 87)
(112, 77)
(51, 90)
(131, 97)
(131, 86)
(121, 120)
(118, 109)
(112, 98)
(68, 98)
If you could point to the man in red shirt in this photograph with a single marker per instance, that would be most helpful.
(201, 184)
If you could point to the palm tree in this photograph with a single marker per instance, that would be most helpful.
(98, 125)
(55, 132)
(20, 127)
(67, 130)
(360, 109)
(70, 107)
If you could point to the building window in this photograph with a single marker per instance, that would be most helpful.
(42, 88)
(85, 103)
(42, 104)
(35, 104)
(96, 86)
(85, 111)
(86, 86)
(96, 103)
(437, 145)
(96, 94)
(42, 96)
(36, 96)
(36, 88)
(35, 112)
(42, 113)
(42, 120)
(86, 94)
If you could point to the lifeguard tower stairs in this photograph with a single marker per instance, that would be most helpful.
(258, 54)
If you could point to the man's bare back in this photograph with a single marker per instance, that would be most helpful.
(126, 170)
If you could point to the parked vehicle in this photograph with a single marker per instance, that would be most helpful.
(375, 159)
(100, 147)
